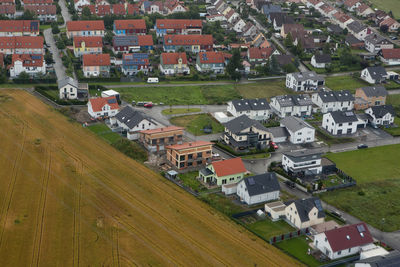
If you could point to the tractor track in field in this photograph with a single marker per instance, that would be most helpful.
(77, 215)
(115, 251)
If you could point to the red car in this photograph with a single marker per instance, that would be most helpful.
(148, 105)
(272, 144)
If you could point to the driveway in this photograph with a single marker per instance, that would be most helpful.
(58, 66)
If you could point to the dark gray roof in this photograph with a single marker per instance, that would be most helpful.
(323, 58)
(284, 59)
(390, 260)
(307, 75)
(381, 111)
(376, 91)
(303, 155)
(280, 18)
(336, 96)
(294, 100)
(376, 39)
(262, 183)
(377, 72)
(206, 171)
(243, 122)
(278, 132)
(335, 28)
(131, 117)
(356, 26)
(269, 8)
(350, 40)
(304, 206)
(343, 116)
(251, 104)
(294, 124)
(67, 80)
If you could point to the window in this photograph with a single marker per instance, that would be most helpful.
(190, 164)
(182, 164)
(339, 252)
(182, 157)
(190, 156)
(199, 162)
(199, 155)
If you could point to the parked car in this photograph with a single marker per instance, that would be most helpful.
(273, 144)
(361, 146)
(148, 105)
(152, 80)
(290, 184)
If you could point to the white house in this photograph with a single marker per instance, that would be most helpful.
(69, 88)
(31, 64)
(300, 132)
(239, 25)
(103, 106)
(303, 213)
(351, 5)
(374, 75)
(359, 30)
(344, 241)
(374, 43)
(381, 115)
(381, 258)
(321, 61)
(390, 56)
(333, 100)
(79, 4)
(304, 81)
(255, 109)
(303, 161)
(259, 188)
(291, 105)
(340, 122)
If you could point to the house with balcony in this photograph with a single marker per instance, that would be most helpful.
(155, 140)
(374, 43)
(194, 43)
(174, 63)
(178, 26)
(31, 64)
(21, 45)
(83, 45)
(45, 13)
(134, 63)
(305, 162)
(370, 96)
(189, 155)
(340, 122)
(130, 27)
(95, 65)
(292, 105)
(223, 172)
(304, 81)
(8, 11)
(328, 101)
(256, 109)
(132, 43)
(211, 62)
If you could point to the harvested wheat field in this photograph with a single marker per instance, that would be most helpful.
(69, 199)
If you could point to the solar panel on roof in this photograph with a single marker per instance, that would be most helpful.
(112, 101)
(36, 57)
(251, 181)
(349, 114)
(361, 228)
(318, 205)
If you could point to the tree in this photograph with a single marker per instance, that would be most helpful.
(48, 57)
(327, 48)
(60, 45)
(384, 28)
(28, 15)
(274, 65)
(54, 28)
(108, 37)
(86, 12)
(328, 68)
(181, 49)
(288, 42)
(24, 76)
(234, 65)
(289, 68)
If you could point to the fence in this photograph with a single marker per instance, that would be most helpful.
(246, 213)
(289, 235)
(342, 261)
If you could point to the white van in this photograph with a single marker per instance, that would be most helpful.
(152, 80)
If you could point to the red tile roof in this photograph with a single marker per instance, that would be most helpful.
(388, 21)
(229, 167)
(129, 24)
(33, 42)
(37, 2)
(92, 9)
(192, 39)
(1, 60)
(85, 25)
(90, 41)
(172, 58)
(96, 60)
(391, 53)
(350, 3)
(7, 9)
(28, 60)
(348, 237)
(163, 130)
(178, 23)
(119, 9)
(211, 57)
(42, 9)
(260, 53)
(133, 9)
(145, 40)
(18, 25)
(189, 145)
(362, 8)
(9, 2)
(103, 10)
(99, 102)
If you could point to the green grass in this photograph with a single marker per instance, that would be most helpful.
(104, 132)
(344, 82)
(376, 196)
(189, 179)
(393, 100)
(175, 111)
(321, 135)
(222, 203)
(257, 156)
(391, 85)
(395, 131)
(298, 247)
(195, 123)
(44, 27)
(268, 229)
(388, 5)
(264, 89)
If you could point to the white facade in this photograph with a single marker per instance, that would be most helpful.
(375, 48)
(243, 193)
(366, 76)
(293, 217)
(80, 3)
(133, 133)
(298, 83)
(260, 115)
(106, 110)
(312, 164)
(317, 65)
(19, 67)
(283, 111)
(329, 124)
(239, 25)
(301, 136)
(321, 243)
(68, 91)
(385, 120)
(332, 106)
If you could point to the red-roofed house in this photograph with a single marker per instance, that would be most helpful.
(30, 64)
(392, 24)
(344, 241)
(85, 28)
(191, 43)
(36, 2)
(103, 107)
(390, 56)
(79, 4)
(19, 27)
(155, 140)
(87, 45)
(95, 65)
(7, 10)
(178, 26)
(43, 12)
(222, 172)
(260, 56)
(174, 6)
(130, 27)
(21, 45)
(351, 5)
(133, 9)
(342, 19)
(364, 10)
(174, 63)
(211, 62)
(103, 10)
(186, 155)
(7, 2)
(118, 9)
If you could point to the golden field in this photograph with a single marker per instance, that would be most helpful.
(69, 199)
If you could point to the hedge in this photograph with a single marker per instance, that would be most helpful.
(43, 90)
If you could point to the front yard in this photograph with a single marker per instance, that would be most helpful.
(196, 123)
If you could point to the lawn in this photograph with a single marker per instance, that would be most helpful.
(266, 89)
(195, 123)
(257, 156)
(189, 179)
(268, 229)
(377, 172)
(222, 203)
(388, 5)
(44, 27)
(175, 111)
(298, 247)
(344, 82)
(395, 131)
(393, 100)
(104, 132)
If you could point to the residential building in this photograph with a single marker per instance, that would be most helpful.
(156, 140)
(45, 13)
(211, 62)
(130, 27)
(239, 25)
(95, 65)
(342, 19)
(259, 188)
(340, 122)
(171, 7)
(381, 115)
(111, 92)
(390, 57)
(304, 81)
(351, 5)
(31, 64)
(118, 9)
(21, 45)
(178, 26)
(189, 155)
(260, 56)
(344, 241)
(292, 105)
(85, 28)
(174, 63)
(243, 133)
(391, 23)
(190, 43)
(278, 19)
(256, 109)
(103, 107)
(134, 63)
(270, 8)
(306, 162)
(364, 10)
(374, 75)
(353, 42)
(321, 61)
(8, 11)
(69, 88)
(19, 28)
(87, 45)
(300, 132)
(359, 30)
(304, 213)
(293, 29)
(383, 259)
(370, 96)
(132, 43)
(374, 43)
(7, 2)
(223, 172)
(36, 2)
(79, 4)
(329, 101)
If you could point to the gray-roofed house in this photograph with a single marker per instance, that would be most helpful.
(132, 122)
(391, 259)
(321, 61)
(243, 133)
(381, 115)
(270, 8)
(300, 132)
(340, 122)
(305, 161)
(292, 105)
(334, 100)
(304, 213)
(304, 81)
(278, 134)
(335, 29)
(359, 30)
(370, 96)
(353, 42)
(374, 43)
(277, 19)
(259, 188)
(69, 88)
(284, 60)
(256, 109)
(374, 75)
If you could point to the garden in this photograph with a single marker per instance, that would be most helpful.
(198, 124)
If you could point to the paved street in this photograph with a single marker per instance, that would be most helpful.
(58, 65)
(64, 11)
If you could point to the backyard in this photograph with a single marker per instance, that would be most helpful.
(268, 229)
(344, 82)
(189, 179)
(196, 123)
(298, 248)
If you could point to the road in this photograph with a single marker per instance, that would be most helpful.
(64, 11)
(58, 65)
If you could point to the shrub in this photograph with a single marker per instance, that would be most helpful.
(131, 149)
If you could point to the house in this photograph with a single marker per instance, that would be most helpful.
(7, 2)
(174, 63)
(36, 2)
(364, 10)
(340, 122)
(293, 29)
(353, 42)
(390, 57)
(211, 62)
(374, 75)
(321, 61)
(341, 100)
(69, 88)
(243, 133)
(300, 132)
(45, 13)
(132, 122)
(278, 19)
(359, 30)
(383, 259)
(87, 45)
(260, 56)
(95, 65)
(259, 188)
(314, 3)
(129, 27)
(391, 23)
(256, 109)
(189, 155)
(351, 5)
(191, 43)
(375, 42)
(85, 28)
(223, 172)
(118, 9)
(304, 213)
(344, 241)
(284, 60)
(21, 45)
(134, 63)
(335, 29)
(103, 107)
(381, 115)
(306, 161)
(231, 16)
(291, 105)
(79, 4)
(32, 64)
(8, 11)
(19, 28)
(239, 26)
(156, 140)
(270, 8)
(327, 10)
(304, 81)
(370, 96)
(132, 43)
(342, 19)
(174, 6)
(178, 26)
(249, 31)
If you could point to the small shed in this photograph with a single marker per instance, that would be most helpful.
(275, 209)
(171, 174)
(229, 189)
(111, 93)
